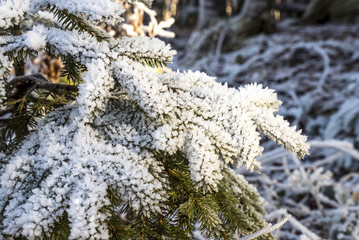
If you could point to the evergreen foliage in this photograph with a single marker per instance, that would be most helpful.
(138, 155)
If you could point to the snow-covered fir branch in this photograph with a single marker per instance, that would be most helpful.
(127, 125)
(13, 12)
(4, 73)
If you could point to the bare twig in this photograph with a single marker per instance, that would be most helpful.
(266, 230)
(323, 54)
(294, 222)
(343, 146)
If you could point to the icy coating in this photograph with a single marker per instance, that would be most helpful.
(4, 72)
(124, 114)
(12, 12)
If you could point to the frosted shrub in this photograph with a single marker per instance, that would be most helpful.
(139, 154)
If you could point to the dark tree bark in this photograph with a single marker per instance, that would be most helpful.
(321, 11)
(254, 18)
(210, 9)
(236, 6)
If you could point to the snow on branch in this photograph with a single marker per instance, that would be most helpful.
(294, 222)
(4, 73)
(343, 146)
(155, 50)
(94, 10)
(12, 12)
(270, 228)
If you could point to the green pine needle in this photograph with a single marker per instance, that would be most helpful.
(72, 70)
(71, 22)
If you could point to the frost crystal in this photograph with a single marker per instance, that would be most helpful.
(35, 39)
(4, 72)
(12, 12)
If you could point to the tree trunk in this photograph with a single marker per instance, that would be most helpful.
(321, 11)
(208, 10)
(236, 6)
(254, 18)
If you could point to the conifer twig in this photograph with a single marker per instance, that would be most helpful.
(23, 84)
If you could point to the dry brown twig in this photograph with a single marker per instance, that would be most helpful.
(136, 27)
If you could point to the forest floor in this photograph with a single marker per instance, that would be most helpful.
(315, 72)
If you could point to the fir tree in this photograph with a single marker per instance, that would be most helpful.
(120, 151)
